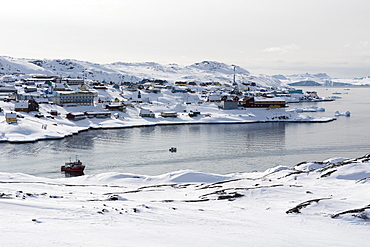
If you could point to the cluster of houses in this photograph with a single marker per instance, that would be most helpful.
(30, 92)
(47, 89)
(81, 115)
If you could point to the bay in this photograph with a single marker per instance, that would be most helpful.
(215, 148)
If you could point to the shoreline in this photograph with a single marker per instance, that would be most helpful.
(313, 120)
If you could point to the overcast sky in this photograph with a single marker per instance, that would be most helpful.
(263, 36)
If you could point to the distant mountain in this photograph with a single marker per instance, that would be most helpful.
(320, 79)
(206, 71)
(307, 79)
(305, 83)
(280, 77)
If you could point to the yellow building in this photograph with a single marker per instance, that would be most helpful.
(11, 117)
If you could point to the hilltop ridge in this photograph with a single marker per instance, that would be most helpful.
(205, 71)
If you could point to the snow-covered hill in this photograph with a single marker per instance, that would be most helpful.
(206, 71)
(322, 203)
(320, 79)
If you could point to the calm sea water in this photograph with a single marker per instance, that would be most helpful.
(216, 148)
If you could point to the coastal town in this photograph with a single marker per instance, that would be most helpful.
(184, 123)
(35, 107)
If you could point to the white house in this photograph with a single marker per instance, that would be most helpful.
(146, 113)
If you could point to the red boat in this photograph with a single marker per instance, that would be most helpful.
(73, 166)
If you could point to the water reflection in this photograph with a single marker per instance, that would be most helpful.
(69, 174)
(147, 131)
(81, 141)
(217, 148)
(170, 128)
(194, 128)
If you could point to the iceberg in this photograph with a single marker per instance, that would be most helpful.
(347, 113)
(308, 109)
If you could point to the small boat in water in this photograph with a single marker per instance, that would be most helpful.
(73, 166)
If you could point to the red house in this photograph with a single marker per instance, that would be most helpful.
(261, 102)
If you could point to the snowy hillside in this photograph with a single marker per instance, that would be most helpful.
(206, 71)
(311, 204)
(9, 65)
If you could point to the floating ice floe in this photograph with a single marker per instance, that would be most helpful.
(347, 113)
(313, 109)
(329, 98)
(334, 97)
(308, 109)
